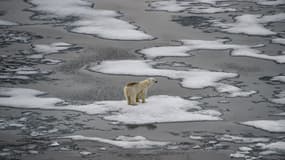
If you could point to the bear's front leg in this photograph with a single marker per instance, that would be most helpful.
(138, 98)
(143, 98)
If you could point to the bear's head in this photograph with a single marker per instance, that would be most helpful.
(151, 81)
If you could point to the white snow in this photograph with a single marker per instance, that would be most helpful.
(272, 148)
(51, 48)
(219, 44)
(191, 78)
(25, 98)
(14, 77)
(238, 155)
(268, 125)
(278, 78)
(279, 40)
(88, 20)
(54, 144)
(250, 24)
(85, 153)
(197, 6)
(239, 139)
(170, 5)
(158, 109)
(196, 137)
(7, 23)
(280, 98)
(210, 10)
(270, 2)
(126, 142)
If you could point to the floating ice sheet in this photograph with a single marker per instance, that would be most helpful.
(192, 78)
(126, 142)
(88, 20)
(51, 48)
(158, 109)
(210, 10)
(268, 125)
(239, 139)
(280, 98)
(279, 40)
(7, 23)
(219, 44)
(278, 78)
(275, 146)
(270, 2)
(250, 24)
(197, 6)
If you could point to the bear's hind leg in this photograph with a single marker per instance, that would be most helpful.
(133, 99)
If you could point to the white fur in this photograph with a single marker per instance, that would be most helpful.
(137, 90)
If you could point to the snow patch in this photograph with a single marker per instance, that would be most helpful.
(51, 48)
(279, 40)
(278, 78)
(250, 24)
(239, 139)
(197, 6)
(158, 109)
(280, 98)
(219, 44)
(270, 2)
(126, 142)
(268, 125)
(7, 23)
(88, 20)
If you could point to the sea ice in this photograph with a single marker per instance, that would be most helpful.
(250, 24)
(88, 20)
(268, 125)
(197, 6)
(7, 23)
(280, 98)
(239, 139)
(219, 44)
(191, 78)
(272, 148)
(210, 10)
(278, 78)
(270, 2)
(163, 108)
(51, 48)
(279, 40)
(126, 142)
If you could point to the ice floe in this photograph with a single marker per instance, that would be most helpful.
(278, 78)
(7, 23)
(191, 78)
(219, 44)
(197, 6)
(239, 139)
(163, 108)
(126, 142)
(88, 20)
(280, 98)
(273, 148)
(270, 2)
(250, 24)
(51, 48)
(268, 125)
(279, 40)
(170, 5)
(209, 10)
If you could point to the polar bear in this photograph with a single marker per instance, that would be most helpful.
(138, 90)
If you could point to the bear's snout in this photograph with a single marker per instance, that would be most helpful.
(155, 81)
